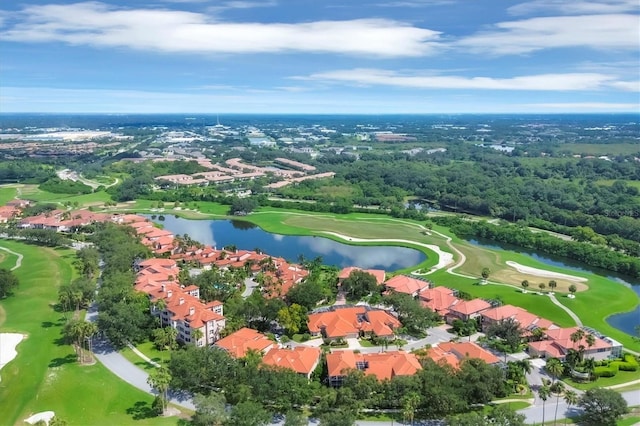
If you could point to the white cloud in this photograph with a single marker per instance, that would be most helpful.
(539, 82)
(612, 31)
(574, 7)
(580, 106)
(416, 3)
(98, 24)
(238, 4)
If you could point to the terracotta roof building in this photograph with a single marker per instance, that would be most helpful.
(453, 353)
(301, 359)
(558, 342)
(407, 285)
(238, 343)
(385, 365)
(352, 322)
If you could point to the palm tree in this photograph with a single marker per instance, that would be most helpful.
(590, 339)
(555, 368)
(571, 398)
(573, 289)
(576, 337)
(544, 392)
(159, 379)
(558, 388)
(552, 285)
(196, 335)
(542, 286)
(524, 285)
(410, 405)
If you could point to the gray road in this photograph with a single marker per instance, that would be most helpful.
(249, 286)
(127, 371)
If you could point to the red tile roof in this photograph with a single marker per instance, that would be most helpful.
(240, 342)
(379, 274)
(469, 307)
(383, 365)
(301, 359)
(405, 284)
(345, 321)
(468, 350)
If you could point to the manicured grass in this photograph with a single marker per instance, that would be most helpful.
(7, 194)
(45, 375)
(516, 405)
(629, 421)
(134, 359)
(620, 378)
(32, 192)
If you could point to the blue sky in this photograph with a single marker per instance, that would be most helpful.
(320, 56)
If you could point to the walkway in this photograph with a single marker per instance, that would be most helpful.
(18, 260)
(564, 308)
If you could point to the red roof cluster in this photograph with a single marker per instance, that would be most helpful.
(350, 322)
(301, 359)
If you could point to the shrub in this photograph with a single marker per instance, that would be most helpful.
(608, 371)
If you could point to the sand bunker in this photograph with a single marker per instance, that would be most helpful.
(45, 416)
(8, 343)
(544, 273)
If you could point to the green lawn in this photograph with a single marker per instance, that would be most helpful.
(620, 378)
(45, 375)
(629, 421)
(7, 194)
(32, 192)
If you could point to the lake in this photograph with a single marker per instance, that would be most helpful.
(625, 322)
(247, 236)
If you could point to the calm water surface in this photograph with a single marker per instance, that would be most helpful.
(246, 236)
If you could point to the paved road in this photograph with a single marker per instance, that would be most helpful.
(127, 371)
(249, 286)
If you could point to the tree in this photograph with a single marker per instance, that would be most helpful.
(573, 289)
(196, 335)
(248, 413)
(8, 282)
(293, 318)
(576, 337)
(78, 332)
(509, 331)
(602, 407)
(552, 285)
(295, 418)
(340, 417)
(358, 284)
(410, 403)
(555, 368)
(159, 379)
(542, 286)
(524, 285)
(210, 410)
(544, 392)
(557, 388)
(571, 398)
(485, 274)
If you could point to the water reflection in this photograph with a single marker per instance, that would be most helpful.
(244, 235)
(365, 256)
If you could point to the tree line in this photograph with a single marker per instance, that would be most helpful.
(588, 253)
